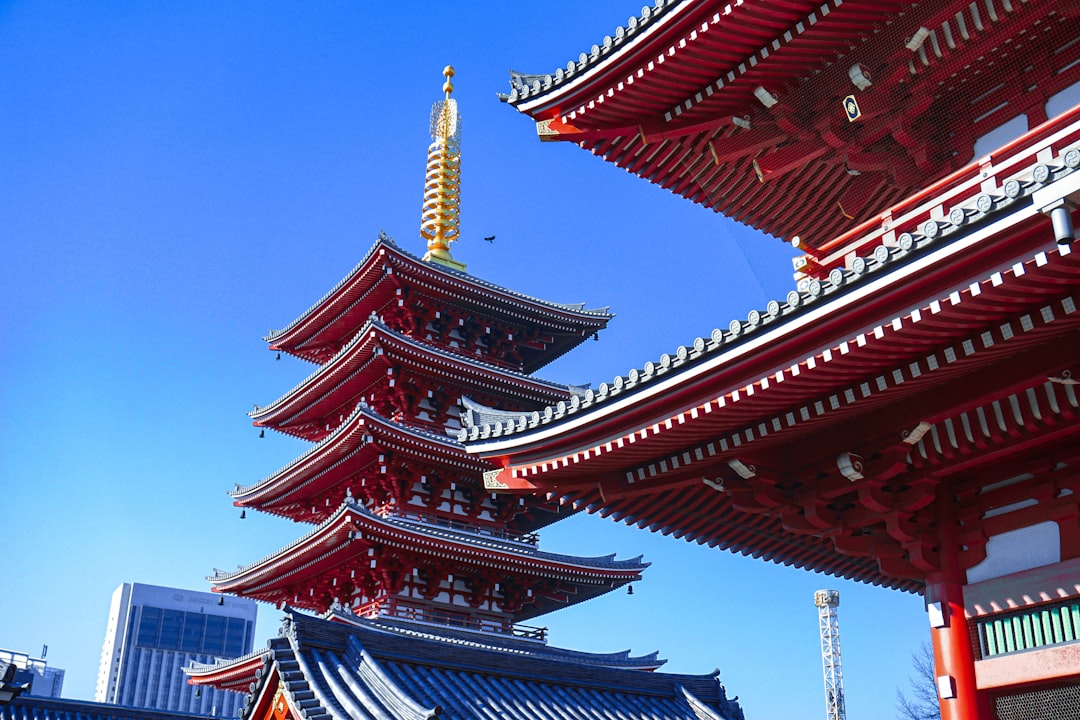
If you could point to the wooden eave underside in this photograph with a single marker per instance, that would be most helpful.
(1021, 434)
(669, 115)
(355, 445)
(364, 362)
(374, 283)
(881, 357)
(983, 348)
(329, 548)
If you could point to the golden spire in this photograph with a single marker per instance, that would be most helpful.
(439, 224)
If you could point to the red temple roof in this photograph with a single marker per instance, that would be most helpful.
(741, 107)
(230, 674)
(815, 431)
(297, 490)
(313, 570)
(313, 486)
(321, 331)
(319, 402)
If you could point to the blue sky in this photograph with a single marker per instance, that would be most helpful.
(178, 178)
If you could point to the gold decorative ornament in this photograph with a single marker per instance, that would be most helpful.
(440, 221)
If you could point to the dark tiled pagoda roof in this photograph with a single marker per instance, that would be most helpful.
(335, 671)
(451, 535)
(30, 707)
(360, 440)
(512, 644)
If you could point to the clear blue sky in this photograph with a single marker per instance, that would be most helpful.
(178, 178)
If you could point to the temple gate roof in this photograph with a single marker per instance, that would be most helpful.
(939, 353)
(338, 671)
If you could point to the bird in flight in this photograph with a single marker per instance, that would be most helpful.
(489, 238)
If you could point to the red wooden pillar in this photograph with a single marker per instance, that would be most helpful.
(954, 656)
(954, 660)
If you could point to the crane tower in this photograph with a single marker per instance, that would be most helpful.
(827, 602)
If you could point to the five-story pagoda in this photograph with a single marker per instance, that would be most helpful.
(402, 525)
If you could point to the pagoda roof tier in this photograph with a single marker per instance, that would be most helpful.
(953, 341)
(319, 402)
(354, 445)
(346, 547)
(374, 283)
(804, 118)
(239, 673)
(498, 642)
(313, 486)
(324, 670)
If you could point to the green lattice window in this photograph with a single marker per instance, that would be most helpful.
(1029, 629)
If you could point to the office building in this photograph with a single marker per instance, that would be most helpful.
(153, 632)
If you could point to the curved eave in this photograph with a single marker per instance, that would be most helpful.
(235, 674)
(335, 303)
(609, 62)
(329, 546)
(466, 371)
(1001, 339)
(954, 310)
(685, 115)
(359, 440)
(348, 300)
(363, 360)
(451, 636)
(672, 54)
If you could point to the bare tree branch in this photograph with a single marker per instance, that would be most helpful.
(921, 700)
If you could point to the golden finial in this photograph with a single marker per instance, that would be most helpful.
(439, 224)
(448, 87)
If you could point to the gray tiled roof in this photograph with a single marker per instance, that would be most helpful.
(499, 642)
(524, 85)
(482, 423)
(334, 671)
(30, 707)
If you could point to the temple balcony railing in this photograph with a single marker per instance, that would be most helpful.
(1043, 145)
(439, 618)
(1027, 629)
(498, 533)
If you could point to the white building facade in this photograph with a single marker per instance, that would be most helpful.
(154, 632)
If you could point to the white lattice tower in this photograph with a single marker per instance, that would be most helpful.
(827, 602)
